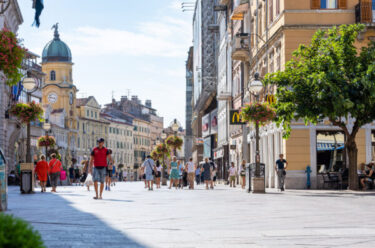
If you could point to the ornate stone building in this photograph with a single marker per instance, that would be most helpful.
(59, 91)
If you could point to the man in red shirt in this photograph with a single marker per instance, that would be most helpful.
(99, 156)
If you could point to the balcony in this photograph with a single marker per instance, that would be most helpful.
(363, 12)
(240, 48)
(239, 9)
(224, 96)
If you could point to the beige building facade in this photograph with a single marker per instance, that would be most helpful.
(268, 33)
(91, 126)
(141, 141)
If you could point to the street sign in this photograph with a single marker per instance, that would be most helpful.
(271, 99)
(235, 118)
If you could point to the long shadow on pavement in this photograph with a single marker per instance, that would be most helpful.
(62, 225)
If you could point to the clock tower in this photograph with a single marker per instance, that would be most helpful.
(59, 91)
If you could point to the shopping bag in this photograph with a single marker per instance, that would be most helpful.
(89, 181)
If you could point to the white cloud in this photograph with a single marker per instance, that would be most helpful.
(168, 37)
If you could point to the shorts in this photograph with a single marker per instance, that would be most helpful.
(54, 178)
(149, 177)
(109, 173)
(158, 174)
(99, 175)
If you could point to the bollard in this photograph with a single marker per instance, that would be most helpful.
(308, 172)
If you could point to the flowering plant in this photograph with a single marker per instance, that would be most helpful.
(11, 56)
(27, 112)
(260, 113)
(162, 149)
(174, 141)
(46, 141)
(155, 155)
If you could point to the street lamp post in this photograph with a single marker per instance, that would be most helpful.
(255, 87)
(163, 136)
(47, 128)
(30, 85)
(175, 128)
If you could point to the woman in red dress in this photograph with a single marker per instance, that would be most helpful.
(41, 170)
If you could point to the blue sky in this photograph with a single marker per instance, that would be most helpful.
(140, 45)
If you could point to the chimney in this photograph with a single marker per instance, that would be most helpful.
(135, 99)
(148, 103)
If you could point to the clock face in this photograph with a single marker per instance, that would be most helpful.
(70, 98)
(52, 97)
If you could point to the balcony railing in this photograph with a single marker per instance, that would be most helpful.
(363, 12)
(240, 48)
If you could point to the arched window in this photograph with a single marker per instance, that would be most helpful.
(53, 75)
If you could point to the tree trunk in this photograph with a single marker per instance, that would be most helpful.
(351, 148)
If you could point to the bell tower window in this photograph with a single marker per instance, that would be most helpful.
(52, 75)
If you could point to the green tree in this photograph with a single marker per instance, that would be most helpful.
(330, 78)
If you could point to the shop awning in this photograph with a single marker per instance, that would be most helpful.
(329, 146)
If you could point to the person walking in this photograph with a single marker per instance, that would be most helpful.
(41, 170)
(54, 168)
(280, 167)
(158, 174)
(243, 174)
(232, 175)
(198, 175)
(98, 166)
(109, 173)
(181, 169)
(191, 172)
(71, 174)
(88, 177)
(77, 173)
(206, 169)
(149, 170)
(213, 172)
(173, 172)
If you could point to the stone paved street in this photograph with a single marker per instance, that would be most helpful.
(130, 216)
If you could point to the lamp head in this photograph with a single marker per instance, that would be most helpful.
(46, 126)
(256, 85)
(29, 83)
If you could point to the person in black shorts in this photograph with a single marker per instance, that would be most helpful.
(109, 172)
(158, 174)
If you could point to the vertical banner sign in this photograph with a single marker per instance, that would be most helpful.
(206, 125)
(213, 121)
(373, 10)
(235, 118)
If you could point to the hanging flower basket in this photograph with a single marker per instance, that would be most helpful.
(261, 113)
(162, 149)
(47, 141)
(155, 155)
(27, 112)
(11, 56)
(174, 142)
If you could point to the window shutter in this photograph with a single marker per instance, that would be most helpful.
(366, 11)
(315, 4)
(342, 4)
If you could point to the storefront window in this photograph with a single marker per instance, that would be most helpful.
(330, 151)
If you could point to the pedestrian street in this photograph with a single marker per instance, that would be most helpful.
(131, 216)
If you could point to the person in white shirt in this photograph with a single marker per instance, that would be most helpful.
(232, 175)
(191, 172)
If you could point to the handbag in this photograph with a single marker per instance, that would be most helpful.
(284, 172)
(62, 175)
(83, 178)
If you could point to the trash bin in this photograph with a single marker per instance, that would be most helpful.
(27, 178)
(250, 172)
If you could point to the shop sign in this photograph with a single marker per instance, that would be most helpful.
(271, 99)
(232, 147)
(235, 118)
(206, 125)
(199, 140)
(213, 121)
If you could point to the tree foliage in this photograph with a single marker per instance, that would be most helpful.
(330, 78)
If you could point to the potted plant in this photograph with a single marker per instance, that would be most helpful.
(27, 112)
(174, 142)
(47, 141)
(260, 113)
(11, 57)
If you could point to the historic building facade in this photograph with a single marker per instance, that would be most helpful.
(90, 125)
(59, 91)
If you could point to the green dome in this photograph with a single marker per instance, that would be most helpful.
(56, 50)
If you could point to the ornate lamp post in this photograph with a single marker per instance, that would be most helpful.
(163, 136)
(175, 127)
(255, 88)
(47, 128)
(30, 85)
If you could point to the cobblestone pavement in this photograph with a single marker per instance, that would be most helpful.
(130, 216)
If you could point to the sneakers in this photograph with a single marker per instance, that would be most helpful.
(109, 188)
(106, 187)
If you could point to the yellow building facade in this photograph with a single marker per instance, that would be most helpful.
(59, 91)
(276, 28)
(141, 140)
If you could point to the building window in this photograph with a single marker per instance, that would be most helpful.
(79, 142)
(92, 114)
(87, 113)
(277, 7)
(328, 4)
(330, 151)
(52, 75)
(271, 10)
(96, 115)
